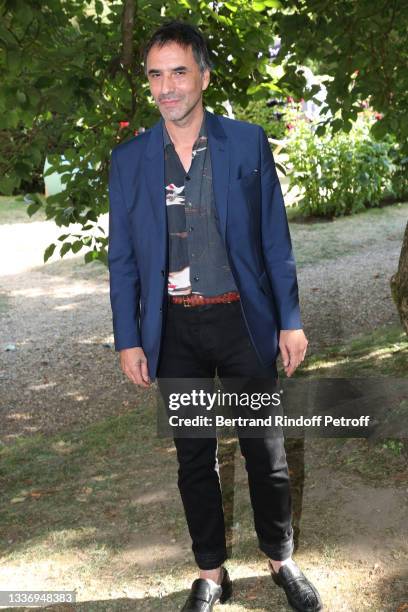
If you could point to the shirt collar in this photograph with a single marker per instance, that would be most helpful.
(203, 132)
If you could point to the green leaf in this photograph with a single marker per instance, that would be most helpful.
(65, 248)
(32, 208)
(7, 38)
(24, 14)
(44, 81)
(22, 169)
(98, 7)
(8, 184)
(90, 256)
(258, 6)
(91, 216)
(337, 125)
(14, 60)
(35, 154)
(11, 119)
(21, 97)
(77, 246)
(49, 251)
(252, 89)
(103, 257)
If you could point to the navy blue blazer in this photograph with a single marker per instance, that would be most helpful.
(253, 225)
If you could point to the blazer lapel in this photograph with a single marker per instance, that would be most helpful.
(154, 177)
(220, 166)
(154, 174)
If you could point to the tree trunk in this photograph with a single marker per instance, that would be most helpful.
(399, 284)
(127, 56)
(128, 22)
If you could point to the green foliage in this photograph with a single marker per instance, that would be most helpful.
(400, 176)
(339, 173)
(66, 87)
(395, 446)
(257, 111)
(66, 90)
(362, 48)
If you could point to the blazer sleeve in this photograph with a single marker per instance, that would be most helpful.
(124, 279)
(276, 242)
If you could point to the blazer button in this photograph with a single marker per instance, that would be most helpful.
(162, 272)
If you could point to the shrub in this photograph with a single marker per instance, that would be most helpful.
(399, 182)
(270, 115)
(339, 173)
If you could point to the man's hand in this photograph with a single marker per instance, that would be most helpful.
(293, 345)
(134, 364)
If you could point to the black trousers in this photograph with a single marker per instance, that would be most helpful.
(198, 343)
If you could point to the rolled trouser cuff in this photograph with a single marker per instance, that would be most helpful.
(280, 551)
(212, 560)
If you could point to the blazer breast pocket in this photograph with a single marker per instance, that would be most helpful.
(253, 174)
(250, 184)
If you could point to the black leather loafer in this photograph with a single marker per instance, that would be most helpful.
(205, 593)
(300, 592)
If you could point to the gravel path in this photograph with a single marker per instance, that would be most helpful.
(344, 297)
(64, 371)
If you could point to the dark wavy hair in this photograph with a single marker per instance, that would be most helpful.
(185, 35)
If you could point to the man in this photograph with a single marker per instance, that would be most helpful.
(203, 281)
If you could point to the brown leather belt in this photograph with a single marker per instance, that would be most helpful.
(195, 299)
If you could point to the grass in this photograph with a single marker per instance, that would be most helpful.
(383, 462)
(380, 355)
(383, 352)
(61, 485)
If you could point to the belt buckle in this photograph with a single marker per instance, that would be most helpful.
(185, 303)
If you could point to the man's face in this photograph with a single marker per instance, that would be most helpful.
(175, 80)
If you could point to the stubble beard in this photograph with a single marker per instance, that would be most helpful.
(179, 113)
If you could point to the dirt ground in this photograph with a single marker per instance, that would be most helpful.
(64, 371)
(58, 371)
